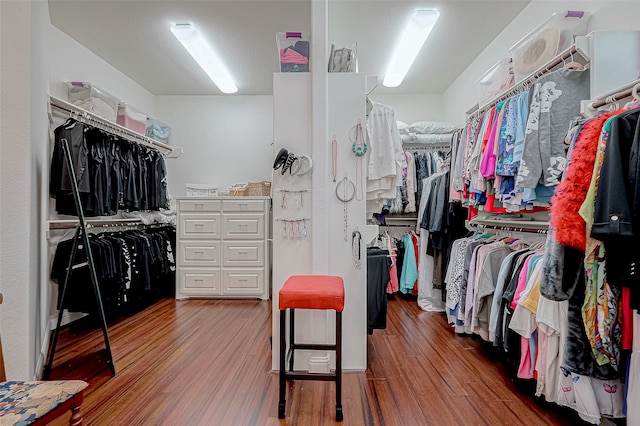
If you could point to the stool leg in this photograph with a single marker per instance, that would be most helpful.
(339, 415)
(283, 348)
(292, 341)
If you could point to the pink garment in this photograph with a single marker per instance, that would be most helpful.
(526, 367)
(541, 360)
(290, 56)
(522, 283)
(488, 159)
(393, 285)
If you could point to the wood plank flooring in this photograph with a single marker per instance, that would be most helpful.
(208, 362)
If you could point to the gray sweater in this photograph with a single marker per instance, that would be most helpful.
(555, 102)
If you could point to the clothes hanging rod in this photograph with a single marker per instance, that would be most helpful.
(531, 78)
(513, 227)
(110, 126)
(426, 147)
(103, 223)
(615, 96)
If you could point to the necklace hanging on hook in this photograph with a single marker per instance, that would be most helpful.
(345, 191)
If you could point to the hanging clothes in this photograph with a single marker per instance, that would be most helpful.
(378, 276)
(385, 159)
(112, 173)
(409, 274)
(133, 268)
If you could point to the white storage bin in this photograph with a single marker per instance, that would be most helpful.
(89, 97)
(497, 80)
(545, 42)
(158, 130)
(131, 118)
(202, 190)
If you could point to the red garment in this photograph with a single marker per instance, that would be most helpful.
(626, 320)
(570, 193)
(472, 212)
(489, 205)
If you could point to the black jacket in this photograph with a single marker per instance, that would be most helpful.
(617, 203)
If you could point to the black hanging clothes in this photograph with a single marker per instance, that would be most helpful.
(134, 269)
(378, 276)
(112, 173)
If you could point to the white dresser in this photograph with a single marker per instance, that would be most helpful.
(222, 247)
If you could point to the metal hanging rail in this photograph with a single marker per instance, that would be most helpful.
(105, 223)
(531, 227)
(409, 146)
(579, 48)
(630, 89)
(95, 120)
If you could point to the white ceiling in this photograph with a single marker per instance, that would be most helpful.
(134, 37)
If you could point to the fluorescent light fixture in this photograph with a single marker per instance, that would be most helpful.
(204, 55)
(415, 34)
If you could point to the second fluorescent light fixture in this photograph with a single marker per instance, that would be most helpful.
(415, 34)
(204, 55)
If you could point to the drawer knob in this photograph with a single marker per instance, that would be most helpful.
(199, 206)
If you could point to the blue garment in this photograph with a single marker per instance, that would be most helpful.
(511, 148)
(409, 273)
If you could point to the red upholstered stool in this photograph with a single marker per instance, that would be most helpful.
(310, 292)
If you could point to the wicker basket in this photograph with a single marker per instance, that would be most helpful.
(259, 188)
(239, 189)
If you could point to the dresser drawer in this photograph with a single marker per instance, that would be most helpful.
(243, 253)
(199, 226)
(199, 205)
(243, 205)
(247, 226)
(199, 253)
(243, 281)
(199, 282)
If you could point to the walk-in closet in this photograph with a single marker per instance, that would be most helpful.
(468, 210)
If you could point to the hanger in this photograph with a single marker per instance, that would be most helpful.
(572, 65)
(635, 101)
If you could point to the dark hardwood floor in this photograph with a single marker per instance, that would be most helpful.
(208, 362)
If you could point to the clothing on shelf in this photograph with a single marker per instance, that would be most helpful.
(425, 132)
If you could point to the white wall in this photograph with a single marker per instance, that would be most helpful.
(64, 59)
(22, 135)
(292, 129)
(606, 15)
(412, 108)
(226, 139)
(39, 271)
(71, 61)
